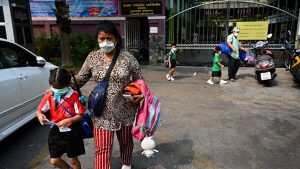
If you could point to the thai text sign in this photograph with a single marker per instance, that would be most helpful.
(141, 8)
(253, 30)
(77, 8)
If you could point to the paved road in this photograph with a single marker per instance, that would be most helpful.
(241, 125)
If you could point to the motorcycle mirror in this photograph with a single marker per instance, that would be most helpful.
(269, 35)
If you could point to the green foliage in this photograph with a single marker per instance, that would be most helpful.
(81, 45)
(48, 47)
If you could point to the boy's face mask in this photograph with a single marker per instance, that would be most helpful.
(59, 92)
(236, 33)
(174, 49)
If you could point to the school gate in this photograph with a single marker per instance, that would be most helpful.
(197, 27)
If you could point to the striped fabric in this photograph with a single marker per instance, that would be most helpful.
(104, 144)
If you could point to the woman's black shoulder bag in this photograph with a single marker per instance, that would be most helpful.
(97, 97)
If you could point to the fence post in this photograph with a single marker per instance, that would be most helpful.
(297, 39)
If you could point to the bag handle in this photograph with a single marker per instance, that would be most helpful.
(112, 64)
(62, 106)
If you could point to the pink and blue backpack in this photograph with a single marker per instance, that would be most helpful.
(148, 114)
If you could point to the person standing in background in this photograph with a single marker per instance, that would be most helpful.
(172, 62)
(234, 59)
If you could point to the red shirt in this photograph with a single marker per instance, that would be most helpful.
(57, 113)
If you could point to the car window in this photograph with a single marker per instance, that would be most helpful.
(15, 56)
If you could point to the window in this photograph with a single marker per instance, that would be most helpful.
(19, 33)
(15, 56)
(2, 32)
(27, 32)
(1, 14)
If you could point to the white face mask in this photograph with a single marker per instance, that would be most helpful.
(174, 49)
(107, 47)
(235, 34)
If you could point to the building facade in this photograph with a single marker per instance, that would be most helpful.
(15, 22)
(140, 22)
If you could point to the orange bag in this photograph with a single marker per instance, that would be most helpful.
(132, 89)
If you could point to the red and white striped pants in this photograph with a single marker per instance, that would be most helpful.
(104, 144)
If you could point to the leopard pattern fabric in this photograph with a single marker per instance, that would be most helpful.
(116, 111)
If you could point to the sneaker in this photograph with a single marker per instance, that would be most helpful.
(172, 78)
(168, 77)
(223, 81)
(232, 80)
(126, 167)
(210, 82)
(235, 78)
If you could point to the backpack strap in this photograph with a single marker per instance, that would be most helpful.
(63, 107)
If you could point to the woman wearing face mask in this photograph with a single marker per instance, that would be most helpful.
(234, 59)
(118, 115)
(172, 62)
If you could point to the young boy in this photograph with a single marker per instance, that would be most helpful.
(64, 136)
(172, 62)
(216, 69)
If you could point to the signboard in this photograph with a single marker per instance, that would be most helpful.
(142, 8)
(77, 8)
(253, 30)
(20, 15)
(153, 29)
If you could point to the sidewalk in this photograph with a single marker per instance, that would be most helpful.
(241, 125)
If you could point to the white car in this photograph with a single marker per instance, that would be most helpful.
(24, 77)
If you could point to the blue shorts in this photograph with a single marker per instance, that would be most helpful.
(216, 73)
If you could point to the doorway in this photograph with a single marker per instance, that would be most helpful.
(137, 37)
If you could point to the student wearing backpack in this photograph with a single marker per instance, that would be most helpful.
(172, 62)
(65, 133)
(216, 69)
(118, 114)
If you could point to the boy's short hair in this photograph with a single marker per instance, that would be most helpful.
(173, 44)
(217, 48)
(59, 76)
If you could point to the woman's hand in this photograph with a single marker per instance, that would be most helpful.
(136, 99)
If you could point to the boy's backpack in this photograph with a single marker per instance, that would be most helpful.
(166, 60)
(225, 48)
(148, 116)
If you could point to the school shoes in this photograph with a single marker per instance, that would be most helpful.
(223, 81)
(210, 82)
(126, 167)
(168, 77)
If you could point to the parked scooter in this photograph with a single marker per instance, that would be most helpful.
(264, 64)
(295, 65)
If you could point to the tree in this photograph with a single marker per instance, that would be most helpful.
(64, 22)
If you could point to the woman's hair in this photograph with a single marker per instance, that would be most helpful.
(59, 76)
(109, 27)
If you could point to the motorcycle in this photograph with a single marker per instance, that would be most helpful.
(264, 62)
(295, 65)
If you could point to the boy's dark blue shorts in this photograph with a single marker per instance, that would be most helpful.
(216, 73)
(173, 63)
(66, 142)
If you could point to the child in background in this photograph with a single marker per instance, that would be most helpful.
(65, 133)
(172, 62)
(216, 69)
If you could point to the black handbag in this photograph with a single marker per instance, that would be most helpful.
(97, 97)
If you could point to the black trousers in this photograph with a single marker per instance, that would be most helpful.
(233, 67)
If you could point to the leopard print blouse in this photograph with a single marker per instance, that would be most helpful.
(117, 112)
